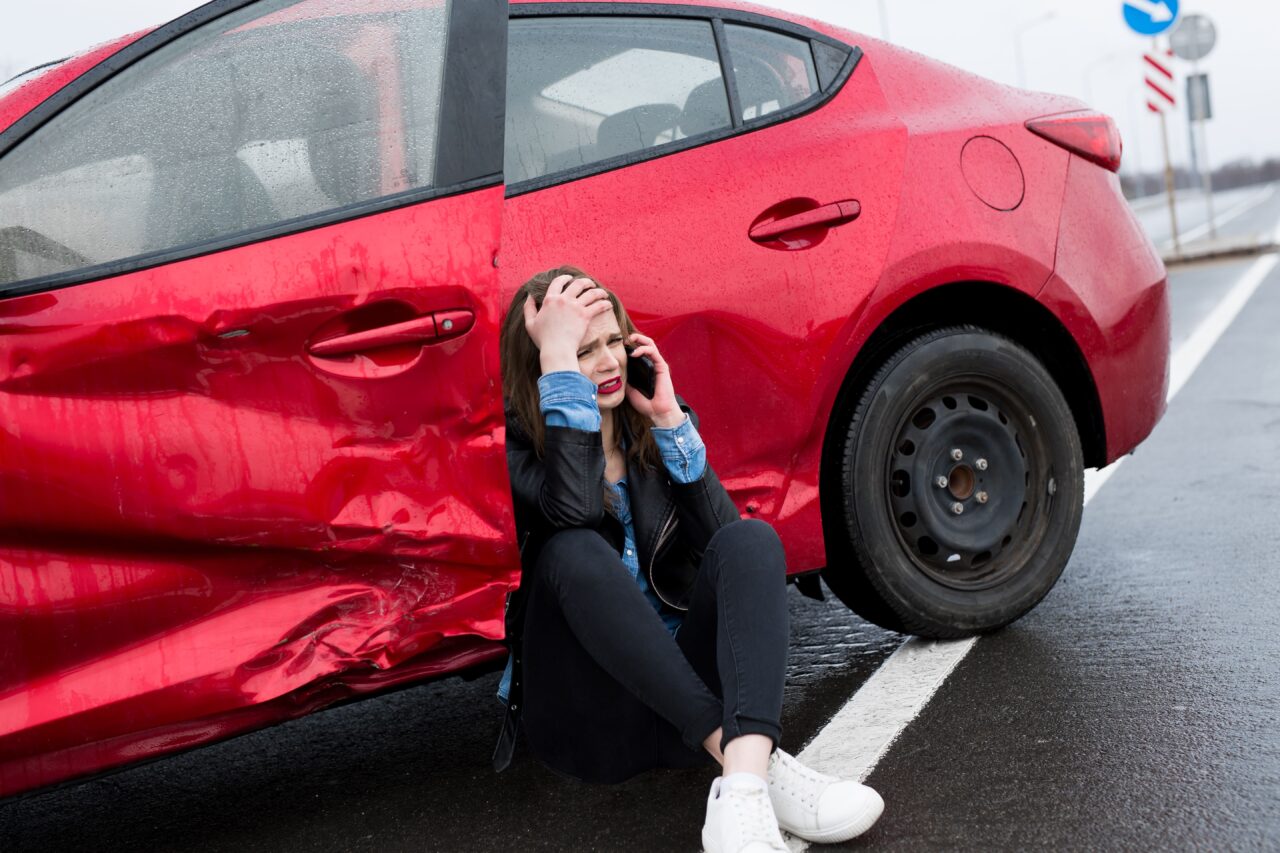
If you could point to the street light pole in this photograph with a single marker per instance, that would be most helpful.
(1135, 138)
(1017, 43)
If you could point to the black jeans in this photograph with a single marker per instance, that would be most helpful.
(609, 692)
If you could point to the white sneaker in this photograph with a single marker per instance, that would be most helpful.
(818, 807)
(740, 819)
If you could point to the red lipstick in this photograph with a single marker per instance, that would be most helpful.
(611, 386)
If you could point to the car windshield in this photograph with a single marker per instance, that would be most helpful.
(14, 82)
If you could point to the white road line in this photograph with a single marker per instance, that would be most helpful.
(861, 732)
(1228, 215)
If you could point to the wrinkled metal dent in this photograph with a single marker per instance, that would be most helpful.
(201, 534)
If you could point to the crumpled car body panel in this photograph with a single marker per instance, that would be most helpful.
(203, 531)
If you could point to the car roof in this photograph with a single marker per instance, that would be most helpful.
(731, 5)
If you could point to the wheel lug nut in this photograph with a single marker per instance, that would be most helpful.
(941, 482)
(957, 507)
(981, 464)
(956, 454)
(982, 497)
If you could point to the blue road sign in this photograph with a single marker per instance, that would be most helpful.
(1150, 17)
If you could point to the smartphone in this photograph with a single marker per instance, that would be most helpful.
(640, 374)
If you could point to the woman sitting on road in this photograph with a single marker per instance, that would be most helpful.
(650, 628)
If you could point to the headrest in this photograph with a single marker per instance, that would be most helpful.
(634, 129)
(706, 108)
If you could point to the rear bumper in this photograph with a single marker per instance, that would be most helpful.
(1110, 289)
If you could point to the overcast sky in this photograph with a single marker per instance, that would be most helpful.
(1084, 50)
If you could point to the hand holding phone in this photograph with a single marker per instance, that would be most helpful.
(654, 396)
(640, 373)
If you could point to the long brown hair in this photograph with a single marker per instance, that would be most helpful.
(521, 368)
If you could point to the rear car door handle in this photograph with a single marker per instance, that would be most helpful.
(430, 329)
(827, 216)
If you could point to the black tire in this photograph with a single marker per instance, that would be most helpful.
(916, 565)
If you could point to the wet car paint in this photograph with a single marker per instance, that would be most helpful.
(1123, 331)
(311, 540)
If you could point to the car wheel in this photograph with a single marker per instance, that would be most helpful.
(962, 483)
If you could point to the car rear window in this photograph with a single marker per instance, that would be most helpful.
(586, 90)
(269, 114)
(773, 71)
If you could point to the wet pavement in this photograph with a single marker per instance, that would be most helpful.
(1137, 708)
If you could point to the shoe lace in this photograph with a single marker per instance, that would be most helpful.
(797, 779)
(755, 818)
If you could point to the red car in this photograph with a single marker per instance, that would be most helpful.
(252, 269)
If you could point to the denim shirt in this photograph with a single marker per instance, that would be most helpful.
(568, 399)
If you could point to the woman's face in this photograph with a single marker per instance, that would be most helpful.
(602, 358)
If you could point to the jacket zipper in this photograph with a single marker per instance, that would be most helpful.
(667, 526)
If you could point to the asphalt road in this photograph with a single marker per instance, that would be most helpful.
(1233, 215)
(1138, 707)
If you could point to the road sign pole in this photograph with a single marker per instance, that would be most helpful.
(1208, 179)
(1193, 143)
(1206, 167)
(1151, 18)
(1168, 184)
(1169, 189)
(1193, 40)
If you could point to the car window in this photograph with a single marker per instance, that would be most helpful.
(773, 71)
(277, 111)
(583, 90)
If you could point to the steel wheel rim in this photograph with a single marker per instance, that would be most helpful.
(972, 443)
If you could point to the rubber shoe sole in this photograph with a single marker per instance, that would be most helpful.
(851, 828)
(710, 846)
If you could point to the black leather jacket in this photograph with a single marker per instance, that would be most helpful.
(673, 522)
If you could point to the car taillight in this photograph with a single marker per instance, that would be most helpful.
(1090, 134)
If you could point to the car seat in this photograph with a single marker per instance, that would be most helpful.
(706, 109)
(327, 116)
(188, 134)
(634, 129)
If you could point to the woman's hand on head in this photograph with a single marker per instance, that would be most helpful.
(558, 326)
(662, 410)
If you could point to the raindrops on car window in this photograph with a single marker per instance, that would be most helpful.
(278, 111)
(773, 71)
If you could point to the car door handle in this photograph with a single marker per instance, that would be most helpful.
(827, 216)
(429, 329)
